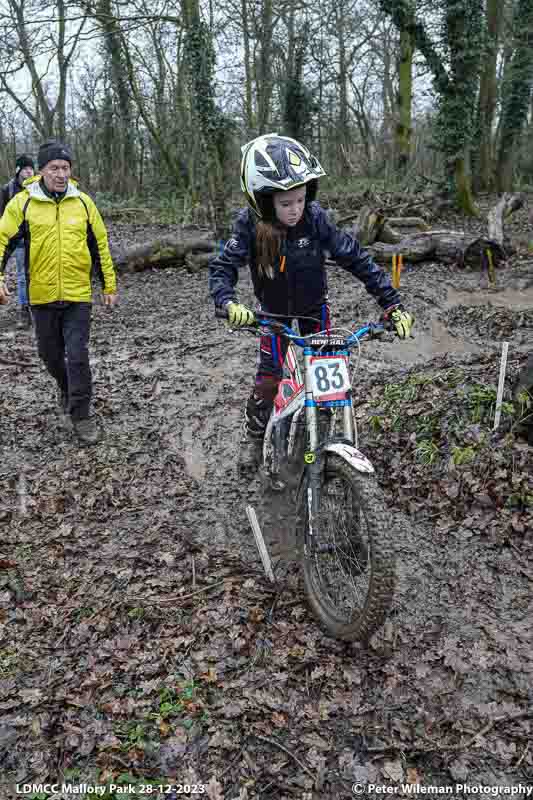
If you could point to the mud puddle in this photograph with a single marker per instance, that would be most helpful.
(511, 298)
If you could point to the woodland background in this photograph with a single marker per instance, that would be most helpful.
(156, 97)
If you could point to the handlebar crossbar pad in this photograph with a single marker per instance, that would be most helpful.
(327, 341)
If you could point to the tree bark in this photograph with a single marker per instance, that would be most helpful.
(264, 82)
(457, 247)
(498, 214)
(488, 91)
(248, 70)
(162, 253)
(405, 102)
(517, 94)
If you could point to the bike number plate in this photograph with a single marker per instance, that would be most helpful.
(329, 378)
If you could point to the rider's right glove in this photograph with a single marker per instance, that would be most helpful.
(401, 320)
(239, 316)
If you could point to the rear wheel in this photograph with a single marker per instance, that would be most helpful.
(348, 560)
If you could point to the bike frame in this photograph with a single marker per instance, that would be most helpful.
(295, 397)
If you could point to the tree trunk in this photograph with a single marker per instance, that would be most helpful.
(488, 90)
(463, 187)
(248, 92)
(405, 102)
(162, 253)
(498, 214)
(213, 127)
(343, 130)
(462, 249)
(115, 47)
(264, 83)
(517, 93)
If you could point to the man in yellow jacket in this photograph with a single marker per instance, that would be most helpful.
(66, 243)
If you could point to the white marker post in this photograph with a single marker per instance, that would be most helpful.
(261, 546)
(499, 398)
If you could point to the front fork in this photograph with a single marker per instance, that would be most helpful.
(315, 455)
(314, 458)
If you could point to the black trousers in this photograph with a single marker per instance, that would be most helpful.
(62, 330)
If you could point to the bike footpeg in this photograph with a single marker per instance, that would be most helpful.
(277, 485)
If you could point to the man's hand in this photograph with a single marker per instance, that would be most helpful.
(239, 316)
(4, 294)
(110, 300)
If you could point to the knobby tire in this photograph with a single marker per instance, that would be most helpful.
(379, 576)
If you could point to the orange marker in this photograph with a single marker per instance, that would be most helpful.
(282, 264)
(397, 264)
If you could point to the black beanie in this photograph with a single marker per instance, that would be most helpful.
(22, 161)
(52, 150)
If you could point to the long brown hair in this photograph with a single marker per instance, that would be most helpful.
(270, 238)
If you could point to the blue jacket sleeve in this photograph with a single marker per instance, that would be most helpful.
(349, 255)
(224, 268)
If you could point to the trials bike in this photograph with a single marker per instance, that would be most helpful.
(344, 532)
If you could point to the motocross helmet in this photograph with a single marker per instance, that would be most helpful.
(273, 163)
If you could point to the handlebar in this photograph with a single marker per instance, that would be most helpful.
(273, 321)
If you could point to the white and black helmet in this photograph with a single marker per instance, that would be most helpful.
(273, 163)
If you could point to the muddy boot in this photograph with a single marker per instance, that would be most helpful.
(86, 431)
(256, 414)
(23, 318)
(250, 454)
(62, 404)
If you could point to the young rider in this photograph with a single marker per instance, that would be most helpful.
(284, 236)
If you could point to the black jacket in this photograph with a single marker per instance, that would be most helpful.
(8, 191)
(302, 285)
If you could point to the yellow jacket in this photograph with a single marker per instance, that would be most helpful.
(65, 243)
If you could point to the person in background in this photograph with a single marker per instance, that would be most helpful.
(66, 242)
(24, 168)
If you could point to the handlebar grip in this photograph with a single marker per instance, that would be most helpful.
(221, 313)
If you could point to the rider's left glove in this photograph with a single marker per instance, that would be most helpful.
(239, 316)
(401, 320)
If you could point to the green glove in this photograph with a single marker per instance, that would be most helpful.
(403, 323)
(239, 316)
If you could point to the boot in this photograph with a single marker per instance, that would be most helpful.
(256, 415)
(61, 403)
(86, 431)
(250, 454)
(23, 318)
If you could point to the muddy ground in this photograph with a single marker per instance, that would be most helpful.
(135, 638)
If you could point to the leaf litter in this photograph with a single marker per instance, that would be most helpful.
(136, 639)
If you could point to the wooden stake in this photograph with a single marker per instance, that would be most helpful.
(261, 546)
(490, 268)
(501, 383)
(397, 264)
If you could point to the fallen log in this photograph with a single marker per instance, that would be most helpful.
(374, 231)
(117, 213)
(162, 253)
(196, 262)
(451, 247)
(408, 222)
(368, 226)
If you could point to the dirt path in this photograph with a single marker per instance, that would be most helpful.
(134, 632)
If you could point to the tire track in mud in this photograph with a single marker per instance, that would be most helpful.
(170, 385)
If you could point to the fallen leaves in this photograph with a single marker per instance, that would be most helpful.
(138, 584)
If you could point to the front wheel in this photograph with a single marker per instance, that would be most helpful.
(348, 560)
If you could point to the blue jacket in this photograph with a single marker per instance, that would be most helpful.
(302, 285)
